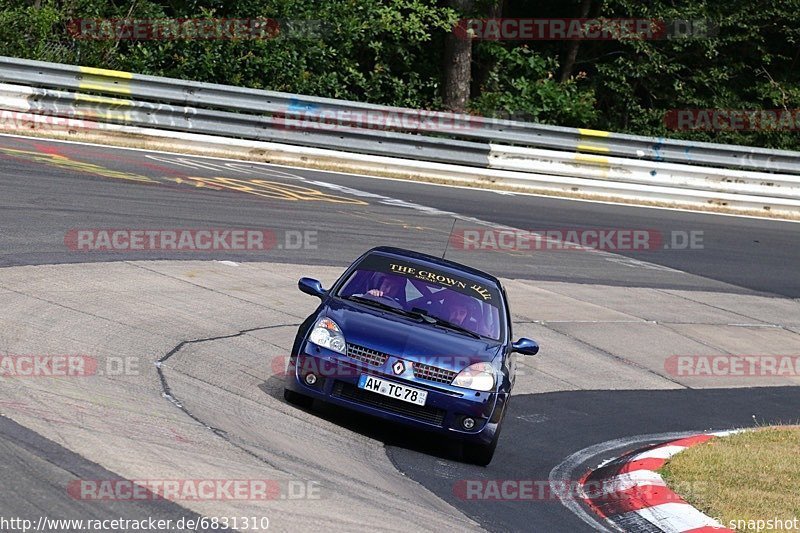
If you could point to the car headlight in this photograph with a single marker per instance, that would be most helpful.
(327, 334)
(479, 376)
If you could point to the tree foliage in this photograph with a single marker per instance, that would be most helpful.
(392, 52)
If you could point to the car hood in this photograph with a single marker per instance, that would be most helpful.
(414, 341)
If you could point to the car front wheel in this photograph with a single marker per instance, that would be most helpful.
(480, 454)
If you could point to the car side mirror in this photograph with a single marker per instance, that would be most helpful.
(311, 286)
(526, 346)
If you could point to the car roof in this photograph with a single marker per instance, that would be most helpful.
(433, 260)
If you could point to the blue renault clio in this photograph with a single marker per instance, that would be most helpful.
(414, 339)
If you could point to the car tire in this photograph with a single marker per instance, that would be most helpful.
(481, 454)
(295, 398)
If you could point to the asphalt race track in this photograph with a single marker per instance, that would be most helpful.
(607, 322)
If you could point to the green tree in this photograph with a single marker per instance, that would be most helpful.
(397, 52)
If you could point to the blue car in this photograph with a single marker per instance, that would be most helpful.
(413, 339)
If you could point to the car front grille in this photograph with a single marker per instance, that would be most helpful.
(433, 373)
(431, 415)
(366, 355)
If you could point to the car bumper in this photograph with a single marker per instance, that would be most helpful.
(443, 413)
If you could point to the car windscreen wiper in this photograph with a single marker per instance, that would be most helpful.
(436, 321)
(417, 313)
(382, 305)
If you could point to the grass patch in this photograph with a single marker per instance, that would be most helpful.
(753, 475)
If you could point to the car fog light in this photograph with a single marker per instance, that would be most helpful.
(468, 423)
(311, 379)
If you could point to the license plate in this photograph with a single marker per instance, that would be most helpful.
(392, 390)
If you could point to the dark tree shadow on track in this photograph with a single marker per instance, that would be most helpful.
(373, 427)
(542, 430)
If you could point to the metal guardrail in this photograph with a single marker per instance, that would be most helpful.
(257, 127)
(646, 173)
(465, 127)
(520, 154)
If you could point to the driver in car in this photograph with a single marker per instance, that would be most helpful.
(458, 313)
(389, 286)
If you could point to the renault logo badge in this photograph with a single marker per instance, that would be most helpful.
(398, 367)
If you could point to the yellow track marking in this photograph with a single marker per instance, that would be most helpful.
(275, 190)
(64, 162)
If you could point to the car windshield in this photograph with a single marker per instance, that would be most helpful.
(422, 289)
